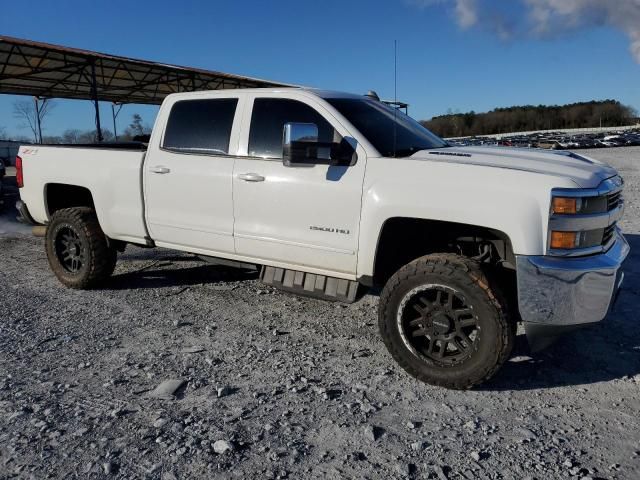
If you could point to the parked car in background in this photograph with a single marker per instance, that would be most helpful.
(557, 140)
(549, 144)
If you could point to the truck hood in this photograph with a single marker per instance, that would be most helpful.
(584, 171)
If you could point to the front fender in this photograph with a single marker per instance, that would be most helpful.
(511, 201)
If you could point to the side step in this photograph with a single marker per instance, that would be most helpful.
(310, 284)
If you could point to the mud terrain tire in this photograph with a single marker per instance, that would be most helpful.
(77, 249)
(443, 323)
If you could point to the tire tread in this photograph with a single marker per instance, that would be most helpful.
(102, 258)
(466, 271)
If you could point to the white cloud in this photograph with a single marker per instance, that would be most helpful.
(547, 17)
(466, 13)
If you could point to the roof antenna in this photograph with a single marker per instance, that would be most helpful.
(395, 94)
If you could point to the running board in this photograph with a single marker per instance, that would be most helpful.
(310, 284)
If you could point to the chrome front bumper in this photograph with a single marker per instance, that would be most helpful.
(564, 291)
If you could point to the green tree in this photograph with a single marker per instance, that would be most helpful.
(608, 113)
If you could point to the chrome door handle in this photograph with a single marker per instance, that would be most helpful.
(251, 177)
(159, 169)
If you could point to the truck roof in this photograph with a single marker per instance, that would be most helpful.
(315, 91)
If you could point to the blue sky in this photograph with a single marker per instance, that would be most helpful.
(342, 45)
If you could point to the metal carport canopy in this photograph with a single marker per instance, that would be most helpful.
(53, 71)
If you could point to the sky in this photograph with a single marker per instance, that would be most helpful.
(452, 55)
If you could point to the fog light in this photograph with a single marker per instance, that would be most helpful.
(564, 240)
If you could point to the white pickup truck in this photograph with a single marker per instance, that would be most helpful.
(330, 194)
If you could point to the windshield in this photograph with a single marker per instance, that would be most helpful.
(390, 131)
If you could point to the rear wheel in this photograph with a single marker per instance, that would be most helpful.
(442, 322)
(77, 249)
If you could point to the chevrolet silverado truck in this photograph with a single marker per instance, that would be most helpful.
(332, 195)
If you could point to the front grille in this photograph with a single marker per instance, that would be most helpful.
(608, 234)
(613, 200)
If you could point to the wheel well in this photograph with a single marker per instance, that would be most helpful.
(405, 239)
(59, 196)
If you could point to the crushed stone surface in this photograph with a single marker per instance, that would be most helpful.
(172, 370)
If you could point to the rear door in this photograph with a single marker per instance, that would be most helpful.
(307, 215)
(188, 176)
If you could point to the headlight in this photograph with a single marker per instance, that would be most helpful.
(579, 205)
(566, 205)
(583, 221)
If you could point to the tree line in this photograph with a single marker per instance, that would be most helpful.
(135, 129)
(605, 113)
(33, 114)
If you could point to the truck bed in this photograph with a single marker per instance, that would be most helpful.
(112, 173)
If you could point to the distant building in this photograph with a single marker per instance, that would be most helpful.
(9, 150)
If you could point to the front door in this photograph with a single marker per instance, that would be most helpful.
(303, 215)
(188, 178)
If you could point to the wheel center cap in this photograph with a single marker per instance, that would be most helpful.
(442, 324)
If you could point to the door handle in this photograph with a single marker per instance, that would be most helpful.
(251, 177)
(159, 169)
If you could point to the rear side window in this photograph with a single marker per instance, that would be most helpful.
(200, 126)
(268, 119)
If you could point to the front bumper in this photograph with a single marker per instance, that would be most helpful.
(570, 291)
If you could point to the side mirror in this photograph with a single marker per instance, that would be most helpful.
(300, 147)
(299, 143)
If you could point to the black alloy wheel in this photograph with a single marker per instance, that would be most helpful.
(69, 249)
(437, 324)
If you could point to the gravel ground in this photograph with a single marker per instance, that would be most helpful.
(276, 386)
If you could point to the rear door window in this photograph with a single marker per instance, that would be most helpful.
(200, 126)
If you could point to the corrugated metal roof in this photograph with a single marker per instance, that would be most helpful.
(45, 70)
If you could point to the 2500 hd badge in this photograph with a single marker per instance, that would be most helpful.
(330, 229)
